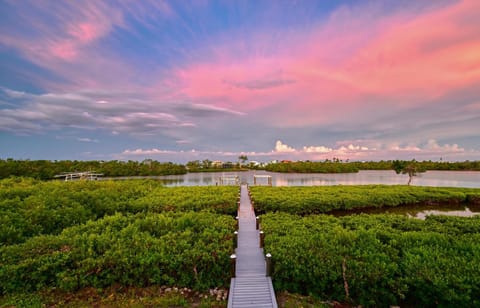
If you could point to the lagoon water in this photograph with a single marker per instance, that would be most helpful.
(387, 177)
(417, 211)
(469, 179)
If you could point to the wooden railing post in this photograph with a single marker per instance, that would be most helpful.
(233, 262)
(235, 239)
(268, 261)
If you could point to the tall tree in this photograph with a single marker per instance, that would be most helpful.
(206, 164)
(243, 158)
(412, 168)
(193, 165)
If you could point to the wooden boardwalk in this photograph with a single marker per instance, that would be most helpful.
(250, 287)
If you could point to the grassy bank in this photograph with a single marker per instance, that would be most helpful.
(323, 199)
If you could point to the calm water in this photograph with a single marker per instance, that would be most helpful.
(387, 177)
(418, 211)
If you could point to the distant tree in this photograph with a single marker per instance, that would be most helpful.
(243, 158)
(206, 164)
(412, 168)
(193, 165)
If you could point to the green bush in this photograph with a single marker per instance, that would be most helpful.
(184, 249)
(306, 200)
(29, 208)
(218, 199)
(384, 259)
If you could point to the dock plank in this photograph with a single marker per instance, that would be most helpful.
(250, 287)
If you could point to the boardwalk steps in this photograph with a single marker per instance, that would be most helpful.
(250, 287)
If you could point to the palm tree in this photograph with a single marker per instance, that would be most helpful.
(243, 158)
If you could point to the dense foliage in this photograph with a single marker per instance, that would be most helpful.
(338, 166)
(183, 249)
(71, 235)
(421, 165)
(377, 260)
(312, 167)
(46, 169)
(29, 207)
(321, 199)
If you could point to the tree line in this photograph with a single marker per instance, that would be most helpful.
(46, 169)
(400, 166)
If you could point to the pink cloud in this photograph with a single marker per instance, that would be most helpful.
(85, 32)
(64, 50)
(401, 60)
(428, 54)
(67, 44)
(240, 84)
(68, 29)
(77, 36)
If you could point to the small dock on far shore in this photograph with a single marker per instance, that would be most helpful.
(72, 176)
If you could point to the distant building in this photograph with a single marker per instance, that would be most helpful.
(227, 165)
(147, 162)
(217, 164)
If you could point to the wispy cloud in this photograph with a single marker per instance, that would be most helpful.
(204, 110)
(88, 140)
(260, 84)
(90, 110)
(77, 42)
(77, 26)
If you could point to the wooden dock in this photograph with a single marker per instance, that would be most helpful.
(250, 287)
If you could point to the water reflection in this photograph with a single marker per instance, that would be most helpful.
(387, 177)
(416, 211)
(465, 213)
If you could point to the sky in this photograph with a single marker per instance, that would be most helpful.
(186, 80)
